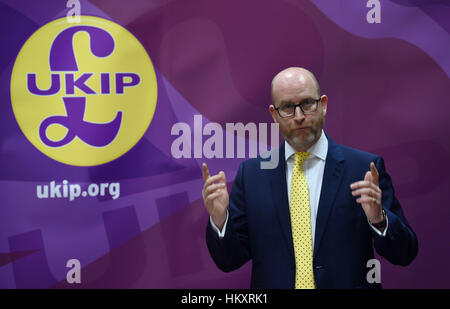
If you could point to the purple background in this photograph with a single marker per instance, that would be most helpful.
(388, 88)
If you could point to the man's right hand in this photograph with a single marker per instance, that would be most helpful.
(215, 196)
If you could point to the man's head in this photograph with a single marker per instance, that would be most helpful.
(294, 86)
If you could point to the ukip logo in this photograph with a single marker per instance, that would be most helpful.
(83, 95)
(102, 46)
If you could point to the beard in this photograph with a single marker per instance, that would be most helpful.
(305, 138)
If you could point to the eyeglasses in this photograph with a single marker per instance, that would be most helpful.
(308, 106)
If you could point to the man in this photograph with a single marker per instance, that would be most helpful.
(312, 221)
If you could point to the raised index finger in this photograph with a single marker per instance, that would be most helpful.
(374, 172)
(205, 171)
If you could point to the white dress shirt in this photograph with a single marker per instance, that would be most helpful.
(313, 167)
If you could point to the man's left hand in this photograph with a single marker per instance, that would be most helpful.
(369, 195)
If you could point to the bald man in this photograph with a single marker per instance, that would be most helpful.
(314, 220)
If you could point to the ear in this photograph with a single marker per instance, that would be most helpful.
(273, 113)
(324, 100)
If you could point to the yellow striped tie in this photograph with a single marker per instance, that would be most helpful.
(301, 225)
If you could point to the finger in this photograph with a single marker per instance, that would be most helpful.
(205, 171)
(210, 189)
(367, 199)
(367, 191)
(374, 173)
(213, 179)
(213, 196)
(364, 184)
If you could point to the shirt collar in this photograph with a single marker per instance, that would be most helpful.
(319, 149)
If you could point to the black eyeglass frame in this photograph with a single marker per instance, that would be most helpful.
(300, 105)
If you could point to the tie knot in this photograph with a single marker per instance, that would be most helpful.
(300, 157)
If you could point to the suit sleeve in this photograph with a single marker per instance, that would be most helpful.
(232, 251)
(400, 245)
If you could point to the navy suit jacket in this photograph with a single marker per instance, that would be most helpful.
(259, 226)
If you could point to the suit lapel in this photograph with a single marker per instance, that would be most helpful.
(334, 170)
(280, 199)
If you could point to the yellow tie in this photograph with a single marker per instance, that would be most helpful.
(301, 225)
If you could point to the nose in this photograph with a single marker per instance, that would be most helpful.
(298, 113)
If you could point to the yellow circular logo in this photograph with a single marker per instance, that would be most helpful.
(83, 94)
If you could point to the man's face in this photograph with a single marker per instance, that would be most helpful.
(300, 131)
